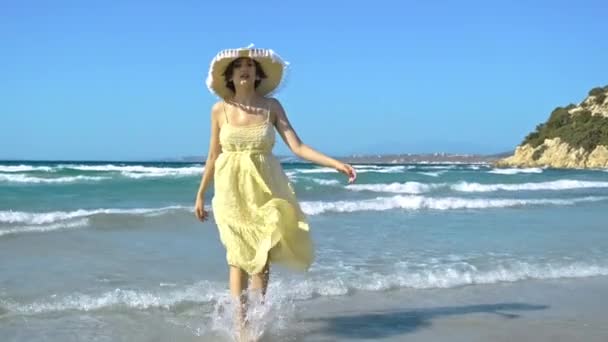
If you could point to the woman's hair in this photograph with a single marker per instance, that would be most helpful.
(259, 73)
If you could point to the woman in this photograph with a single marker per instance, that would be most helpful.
(254, 205)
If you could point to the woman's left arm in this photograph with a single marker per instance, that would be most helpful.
(300, 149)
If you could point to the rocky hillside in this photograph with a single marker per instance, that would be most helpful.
(575, 136)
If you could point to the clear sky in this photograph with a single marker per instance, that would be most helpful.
(116, 80)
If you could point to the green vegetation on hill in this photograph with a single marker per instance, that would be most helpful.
(578, 130)
(599, 93)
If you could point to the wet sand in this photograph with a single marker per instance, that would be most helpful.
(554, 310)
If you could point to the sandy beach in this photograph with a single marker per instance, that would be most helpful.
(550, 310)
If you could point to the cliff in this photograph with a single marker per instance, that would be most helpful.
(575, 136)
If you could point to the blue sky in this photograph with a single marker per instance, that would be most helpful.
(117, 80)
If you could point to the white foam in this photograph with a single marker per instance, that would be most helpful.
(131, 171)
(325, 181)
(385, 169)
(380, 168)
(406, 188)
(164, 172)
(343, 281)
(141, 300)
(432, 174)
(24, 168)
(19, 178)
(56, 216)
(138, 171)
(455, 275)
(315, 170)
(274, 313)
(516, 171)
(44, 228)
(358, 169)
(564, 184)
(421, 202)
(338, 283)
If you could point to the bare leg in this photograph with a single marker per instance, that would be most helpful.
(259, 282)
(258, 286)
(238, 285)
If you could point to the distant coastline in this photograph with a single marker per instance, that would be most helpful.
(405, 158)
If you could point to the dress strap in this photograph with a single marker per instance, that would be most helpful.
(224, 107)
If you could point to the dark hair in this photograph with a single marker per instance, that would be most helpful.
(259, 73)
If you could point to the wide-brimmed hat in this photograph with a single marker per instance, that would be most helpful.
(273, 65)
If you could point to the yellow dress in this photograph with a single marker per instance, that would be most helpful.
(254, 205)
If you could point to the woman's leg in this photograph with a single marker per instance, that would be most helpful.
(259, 282)
(238, 285)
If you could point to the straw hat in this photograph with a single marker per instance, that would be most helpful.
(273, 65)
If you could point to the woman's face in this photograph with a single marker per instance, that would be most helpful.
(244, 71)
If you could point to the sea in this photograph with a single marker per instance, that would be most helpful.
(112, 251)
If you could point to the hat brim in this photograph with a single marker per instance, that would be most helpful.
(272, 64)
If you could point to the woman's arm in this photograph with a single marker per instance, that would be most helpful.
(214, 150)
(295, 144)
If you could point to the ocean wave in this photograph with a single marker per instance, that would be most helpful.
(438, 276)
(358, 169)
(33, 221)
(325, 181)
(564, 184)
(164, 173)
(32, 218)
(462, 274)
(516, 171)
(138, 171)
(315, 170)
(131, 171)
(419, 188)
(383, 169)
(341, 282)
(19, 178)
(44, 228)
(439, 167)
(24, 168)
(421, 202)
(433, 174)
(197, 293)
(406, 188)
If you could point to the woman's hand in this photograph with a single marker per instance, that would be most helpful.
(199, 209)
(347, 170)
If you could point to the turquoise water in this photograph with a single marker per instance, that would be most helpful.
(116, 244)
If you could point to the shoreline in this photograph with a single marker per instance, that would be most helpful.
(566, 309)
(532, 310)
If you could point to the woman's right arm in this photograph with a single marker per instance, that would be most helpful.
(214, 151)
